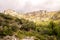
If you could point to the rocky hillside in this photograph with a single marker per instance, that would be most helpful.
(35, 16)
(16, 27)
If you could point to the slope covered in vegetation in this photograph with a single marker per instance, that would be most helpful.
(22, 28)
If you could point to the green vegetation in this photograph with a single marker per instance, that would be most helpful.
(10, 25)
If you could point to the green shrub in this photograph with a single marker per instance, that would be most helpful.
(28, 26)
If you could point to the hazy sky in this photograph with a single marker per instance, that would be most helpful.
(30, 5)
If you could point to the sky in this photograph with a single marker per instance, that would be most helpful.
(30, 5)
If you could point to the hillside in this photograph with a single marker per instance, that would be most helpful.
(36, 16)
(17, 27)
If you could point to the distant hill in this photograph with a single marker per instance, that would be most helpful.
(41, 15)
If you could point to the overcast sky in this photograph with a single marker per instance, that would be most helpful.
(30, 5)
